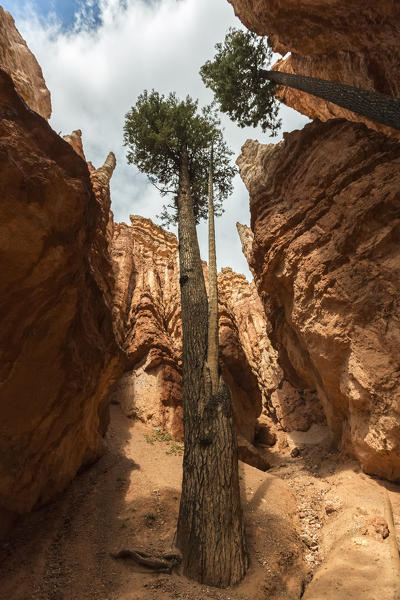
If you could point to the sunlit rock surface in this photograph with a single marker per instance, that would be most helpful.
(147, 317)
(19, 62)
(325, 215)
(74, 139)
(148, 320)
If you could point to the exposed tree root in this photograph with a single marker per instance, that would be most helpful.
(160, 563)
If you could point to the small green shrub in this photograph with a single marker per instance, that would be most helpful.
(149, 438)
(157, 436)
(162, 437)
(175, 448)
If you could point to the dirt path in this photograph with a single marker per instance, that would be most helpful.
(61, 551)
(305, 511)
(342, 513)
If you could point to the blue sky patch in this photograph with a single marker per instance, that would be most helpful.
(65, 10)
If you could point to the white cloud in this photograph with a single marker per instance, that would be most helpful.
(96, 75)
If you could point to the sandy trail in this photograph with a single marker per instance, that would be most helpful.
(302, 512)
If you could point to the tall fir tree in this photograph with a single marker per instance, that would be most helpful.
(169, 140)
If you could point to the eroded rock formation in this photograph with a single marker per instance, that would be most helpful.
(74, 139)
(326, 220)
(58, 351)
(236, 314)
(283, 405)
(242, 339)
(19, 62)
(350, 42)
(147, 317)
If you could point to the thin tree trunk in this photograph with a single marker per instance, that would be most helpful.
(212, 350)
(210, 531)
(377, 107)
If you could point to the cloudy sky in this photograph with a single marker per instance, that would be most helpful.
(98, 55)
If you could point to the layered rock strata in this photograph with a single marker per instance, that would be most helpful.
(273, 403)
(19, 62)
(58, 351)
(326, 220)
(350, 42)
(147, 317)
(240, 325)
(243, 340)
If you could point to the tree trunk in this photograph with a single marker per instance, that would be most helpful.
(377, 107)
(212, 349)
(210, 531)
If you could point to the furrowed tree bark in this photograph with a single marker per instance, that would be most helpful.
(212, 349)
(377, 107)
(210, 532)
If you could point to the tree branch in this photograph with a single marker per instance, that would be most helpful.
(161, 190)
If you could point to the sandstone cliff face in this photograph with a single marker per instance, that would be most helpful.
(238, 310)
(273, 402)
(148, 321)
(74, 139)
(58, 351)
(351, 42)
(19, 62)
(147, 317)
(326, 221)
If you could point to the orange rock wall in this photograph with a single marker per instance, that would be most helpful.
(19, 62)
(147, 317)
(351, 42)
(237, 308)
(147, 311)
(290, 408)
(326, 221)
(58, 351)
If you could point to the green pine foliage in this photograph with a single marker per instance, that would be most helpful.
(157, 130)
(233, 76)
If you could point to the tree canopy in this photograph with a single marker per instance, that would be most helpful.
(245, 90)
(157, 130)
(234, 77)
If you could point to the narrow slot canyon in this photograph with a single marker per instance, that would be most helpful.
(92, 422)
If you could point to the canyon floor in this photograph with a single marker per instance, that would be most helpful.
(314, 522)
